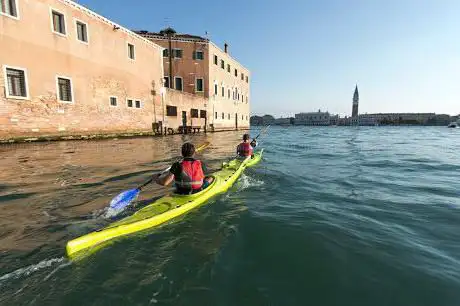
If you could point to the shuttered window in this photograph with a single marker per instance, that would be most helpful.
(177, 53)
(65, 89)
(178, 84)
(58, 23)
(16, 80)
(82, 31)
(199, 85)
(9, 7)
(171, 110)
(194, 113)
(131, 51)
(113, 101)
(198, 55)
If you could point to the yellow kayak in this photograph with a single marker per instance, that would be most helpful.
(164, 209)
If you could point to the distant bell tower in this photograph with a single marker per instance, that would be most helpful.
(354, 112)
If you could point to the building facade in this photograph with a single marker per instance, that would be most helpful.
(312, 118)
(196, 66)
(68, 70)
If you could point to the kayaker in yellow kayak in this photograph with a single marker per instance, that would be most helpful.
(188, 175)
(246, 148)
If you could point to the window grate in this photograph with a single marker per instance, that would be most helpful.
(65, 90)
(16, 80)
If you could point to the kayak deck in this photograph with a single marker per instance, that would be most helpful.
(164, 209)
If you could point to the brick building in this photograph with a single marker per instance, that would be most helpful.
(194, 65)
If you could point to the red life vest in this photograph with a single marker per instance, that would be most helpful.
(244, 149)
(192, 175)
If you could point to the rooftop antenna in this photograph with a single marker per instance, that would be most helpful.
(206, 35)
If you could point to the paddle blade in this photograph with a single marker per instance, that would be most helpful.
(124, 199)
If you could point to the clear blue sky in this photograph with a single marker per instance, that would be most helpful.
(308, 55)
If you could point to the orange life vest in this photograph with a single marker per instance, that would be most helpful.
(244, 149)
(192, 175)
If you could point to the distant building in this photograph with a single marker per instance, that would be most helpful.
(354, 112)
(334, 120)
(283, 121)
(312, 118)
(396, 118)
(262, 120)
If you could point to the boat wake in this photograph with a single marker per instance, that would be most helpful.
(26, 271)
(247, 181)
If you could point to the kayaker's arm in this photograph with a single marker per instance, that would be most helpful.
(165, 179)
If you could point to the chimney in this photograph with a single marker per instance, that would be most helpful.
(226, 48)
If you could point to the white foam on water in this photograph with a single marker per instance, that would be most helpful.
(247, 181)
(26, 271)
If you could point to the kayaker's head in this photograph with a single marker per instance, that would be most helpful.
(188, 150)
(246, 137)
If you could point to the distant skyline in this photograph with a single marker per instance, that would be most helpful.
(308, 55)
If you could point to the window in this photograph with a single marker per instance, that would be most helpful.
(171, 111)
(177, 53)
(165, 52)
(199, 85)
(194, 113)
(223, 116)
(178, 83)
(242, 117)
(198, 55)
(228, 67)
(242, 76)
(58, 22)
(216, 115)
(223, 91)
(247, 99)
(166, 84)
(64, 89)
(215, 89)
(215, 59)
(229, 93)
(9, 8)
(113, 101)
(16, 83)
(202, 114)
(229, 116)
(247, 79)
(138, 104)
(82, 31)
(129, 102)
(246, 118)
(222, 64)
(236, 72)
(131, 54)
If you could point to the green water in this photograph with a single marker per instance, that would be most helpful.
(331, 216)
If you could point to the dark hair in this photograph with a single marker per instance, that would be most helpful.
(246, 137)
(188, 149)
